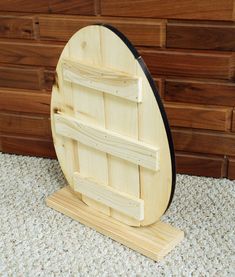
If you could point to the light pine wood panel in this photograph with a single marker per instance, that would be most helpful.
(24, 124)
(15, 76)
(49, 6)
(108, 141)
(26, 101)
(103, 79)
(154, 241)
(186, 9)
(219, 143)
(201, 165)
(23, 52)
(206, 92)
(27, 145)
(199, 116)
(111, 197)
(61, 28)
(197, 35)
(188, 63)
(17, 27)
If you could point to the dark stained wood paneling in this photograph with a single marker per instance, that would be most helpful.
(204, 141)
(231, 168)
(201, 36)
(17, 27)
(199, 116)
(16, 100)
(49, 6)
(28, 53)
(21, 77)
(188, 63)
(202, 92)
(201, 165)
(185, 9)
(61, 28)
(49, 77)
(233, 122)
(19, 124)
(27, 146)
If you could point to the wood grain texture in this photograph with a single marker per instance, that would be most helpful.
(107, 141)
(188, 63)
(15, 76)
(111, 197)
(233, 121)
(29, 53)
(17, 27)
(15, 100)
(49, 79)
(49, 6)
(23, 124)
(103, 79)
(231, 168)
(201, 165)
(154, 241)
(196, 141)
(197, 35)
(27, 145)
(61, 28)
(186, 9)
(199, 116)
(199, 91)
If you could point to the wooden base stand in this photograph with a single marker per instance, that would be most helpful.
(153, 241)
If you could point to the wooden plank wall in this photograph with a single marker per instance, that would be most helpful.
(189, 47)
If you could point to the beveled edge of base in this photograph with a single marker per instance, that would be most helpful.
(154, 241)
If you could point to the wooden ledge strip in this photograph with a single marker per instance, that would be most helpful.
(122, 202)
(103, 79)
(107, 141)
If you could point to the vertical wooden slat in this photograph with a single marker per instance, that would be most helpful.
(89, 107)
(121, 117)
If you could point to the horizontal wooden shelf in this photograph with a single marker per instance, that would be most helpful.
(111, 197)
(107, 141)
(103, 79)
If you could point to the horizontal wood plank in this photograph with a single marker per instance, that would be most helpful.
(201, 36)
(17, 27)
(23, 124)
(21, 77)
(111, 197)
(231, 168)
(24, 145)
(29, 53)
(186, 9)
(233, 121)
(201, 92)
(49, 79)
(188, 63)
(199, 116)
(49, 6)
(25, 101)
(61, 28)
(201, 165)
(107, 141)
(196, 141)
(103, 79)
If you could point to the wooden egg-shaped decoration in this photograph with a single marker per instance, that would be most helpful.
(110, 130)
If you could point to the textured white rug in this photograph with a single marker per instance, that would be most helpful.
(38, 241)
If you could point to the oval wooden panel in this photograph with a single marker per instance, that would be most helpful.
(109, 128)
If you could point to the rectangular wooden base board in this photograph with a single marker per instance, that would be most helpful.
(153, 241)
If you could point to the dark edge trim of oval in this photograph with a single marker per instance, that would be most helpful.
(158, 99)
